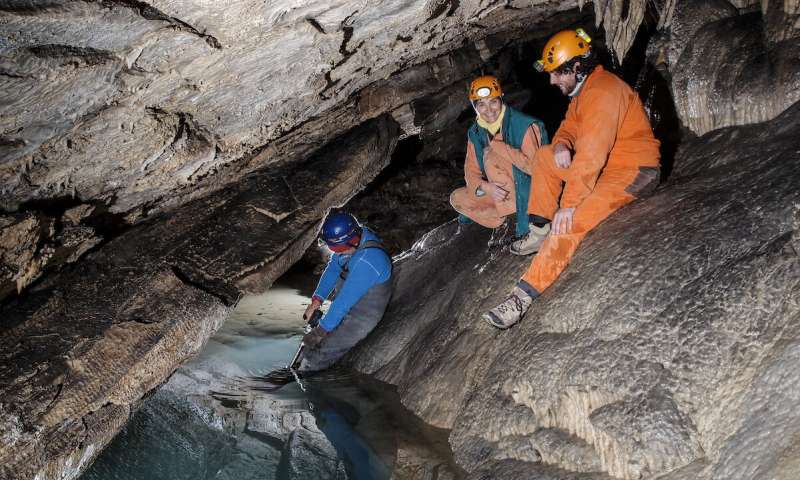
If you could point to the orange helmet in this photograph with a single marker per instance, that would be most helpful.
(563, 47)
(483, 87)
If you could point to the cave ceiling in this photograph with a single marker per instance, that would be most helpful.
(152, 103)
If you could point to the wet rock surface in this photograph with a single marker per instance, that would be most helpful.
(93, 340)
(667, 345)
(306, 457)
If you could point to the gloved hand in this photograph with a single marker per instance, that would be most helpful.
(314, 338)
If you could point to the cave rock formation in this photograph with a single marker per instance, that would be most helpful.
(158, 159)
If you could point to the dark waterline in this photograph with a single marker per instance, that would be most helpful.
(207, 422)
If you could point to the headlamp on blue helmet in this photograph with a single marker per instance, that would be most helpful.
(339, 230)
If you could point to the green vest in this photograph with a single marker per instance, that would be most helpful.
(515, 124)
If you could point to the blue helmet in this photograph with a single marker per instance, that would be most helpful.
(340, 228)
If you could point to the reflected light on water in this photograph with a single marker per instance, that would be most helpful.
(207, 423)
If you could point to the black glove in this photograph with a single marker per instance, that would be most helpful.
(314, 338)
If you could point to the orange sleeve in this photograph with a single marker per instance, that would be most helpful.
(472, 171)
(601, 111)
(568, 130)
(522, 158)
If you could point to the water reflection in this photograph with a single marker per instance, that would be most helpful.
(206, 423)
(338, 422)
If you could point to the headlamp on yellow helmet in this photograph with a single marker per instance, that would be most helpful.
(563, 47)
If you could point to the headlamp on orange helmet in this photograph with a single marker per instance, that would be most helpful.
(484, 87)
(563, 47)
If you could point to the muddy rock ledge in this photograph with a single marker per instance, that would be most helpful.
(669, 349)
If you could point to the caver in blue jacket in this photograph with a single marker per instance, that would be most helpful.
(361, 287)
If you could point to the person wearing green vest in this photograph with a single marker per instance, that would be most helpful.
(501, 145)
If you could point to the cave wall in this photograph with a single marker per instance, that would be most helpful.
(728, 68)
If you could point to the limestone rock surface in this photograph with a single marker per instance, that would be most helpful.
(20, 258)
(91, 341)
(667, 348)
(31, 244)
(153, 103)
(728, 68)
(306, 456)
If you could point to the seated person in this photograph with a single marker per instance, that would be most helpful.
(501, 145)
(358, 279)
(604, 156)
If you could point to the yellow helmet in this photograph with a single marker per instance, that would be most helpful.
(563, 47)
(486, 86)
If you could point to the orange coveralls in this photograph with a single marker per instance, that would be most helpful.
(498, 158)
(616, 159)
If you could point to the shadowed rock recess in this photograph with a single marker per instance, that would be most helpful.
(158, 159)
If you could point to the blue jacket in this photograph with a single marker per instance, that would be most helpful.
(515, 124)
(367, 267)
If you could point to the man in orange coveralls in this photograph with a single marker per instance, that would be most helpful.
(500, 148)
(603, 156)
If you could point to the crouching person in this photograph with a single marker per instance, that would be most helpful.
(501, 145)
(358, 278)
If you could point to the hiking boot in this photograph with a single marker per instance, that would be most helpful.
(532, 240)
(511, 310)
